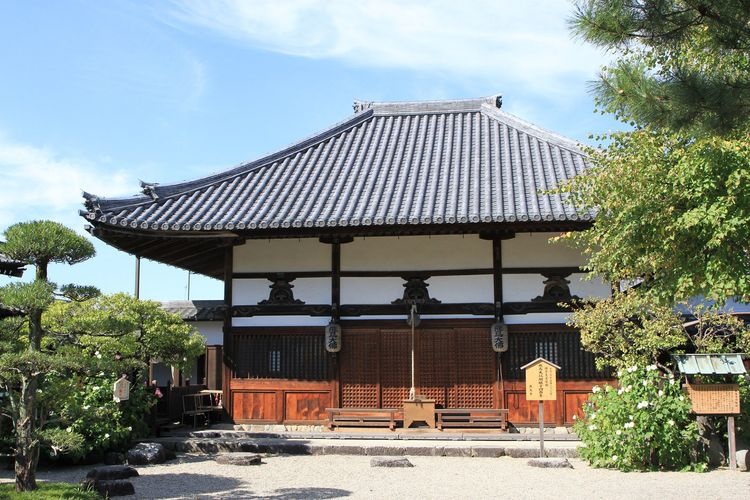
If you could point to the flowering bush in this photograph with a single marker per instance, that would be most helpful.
(644, 424)
(103, 424)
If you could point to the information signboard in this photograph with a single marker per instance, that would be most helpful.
(541, 380)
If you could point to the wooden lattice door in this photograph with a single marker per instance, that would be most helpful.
(395, 367)
(456, 367)
(359, 369)
(436, 367)
(476, 369)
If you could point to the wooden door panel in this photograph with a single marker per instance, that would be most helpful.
(306, 405)
(435, 356)
(475, 363)
(395, 372)
(359, 369)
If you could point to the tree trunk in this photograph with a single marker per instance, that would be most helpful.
(27, 444)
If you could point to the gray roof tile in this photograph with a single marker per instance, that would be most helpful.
(391, 164)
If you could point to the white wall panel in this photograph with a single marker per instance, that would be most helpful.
(284, 255)
(413, 253)
(309, 290)
(249, 291)
(281, 321)
(451, 289)
(212, 331)
(534, 318)
(535, 250)
(371, 290)
(522, 287)
(588, 288)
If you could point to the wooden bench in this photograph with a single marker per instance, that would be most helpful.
(195, 405)
(362, 417)
(472, 417)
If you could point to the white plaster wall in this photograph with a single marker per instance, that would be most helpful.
(524, 287)
(584, 288)
(281, 321)
(371, 290)
(309, 290)
(475, 288)
(444, 288)
(534, 249)
(534, 318)
(212, 331)
(285, 255)
(414, 253)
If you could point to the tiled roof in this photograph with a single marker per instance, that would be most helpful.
(196, 310)
(391, 164)
(11, 267)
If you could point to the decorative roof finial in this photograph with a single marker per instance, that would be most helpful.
(149, 189)
(499, 101)
(91, 202)
(360, 106)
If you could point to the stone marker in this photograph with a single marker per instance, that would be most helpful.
(550, 463)
(112, 472)
(147, 453)
(743, 460)
(108, 489)
(390, 462)
(238, 459)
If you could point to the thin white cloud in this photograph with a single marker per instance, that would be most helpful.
(39, 184)
(499, 42)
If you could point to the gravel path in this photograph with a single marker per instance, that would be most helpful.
(288, 477)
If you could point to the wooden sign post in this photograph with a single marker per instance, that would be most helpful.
(718, 399)
(541, 385)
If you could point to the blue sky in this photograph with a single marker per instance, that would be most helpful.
(96, 96)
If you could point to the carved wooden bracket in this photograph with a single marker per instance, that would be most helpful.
(415, 291)
(281, 291)
(556, 289)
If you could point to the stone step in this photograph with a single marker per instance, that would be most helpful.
(291, 446)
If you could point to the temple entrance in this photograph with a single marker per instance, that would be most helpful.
(454, 366)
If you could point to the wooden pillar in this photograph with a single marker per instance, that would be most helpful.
(227, 350)
(497, 277)
(497, 288)
(335, 280)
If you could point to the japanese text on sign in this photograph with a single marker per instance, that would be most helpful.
(541, 382)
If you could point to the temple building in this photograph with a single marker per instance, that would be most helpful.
(410, 227)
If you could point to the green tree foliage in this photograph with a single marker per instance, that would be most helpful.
(684, 65)
(673, 196)
(674, 211)
(58, 363)
(22, 370)
(629, 329)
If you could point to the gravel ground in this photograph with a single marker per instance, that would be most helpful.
(335, 476)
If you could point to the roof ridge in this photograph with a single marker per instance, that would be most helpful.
(434, 106)
(532, 129)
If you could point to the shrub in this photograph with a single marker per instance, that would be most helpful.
(90, 412)
(645, 424)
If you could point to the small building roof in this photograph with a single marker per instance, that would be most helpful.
(11, 267)
(392, 168)
(710, 364)
(196, 310)
(540, 360)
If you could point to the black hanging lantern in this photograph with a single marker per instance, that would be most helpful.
(333, 337)
(499, 332)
